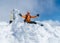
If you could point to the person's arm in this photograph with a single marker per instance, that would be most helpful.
(22, 15)
(35, 16)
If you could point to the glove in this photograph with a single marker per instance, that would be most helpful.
(38, 15)
(20, 14)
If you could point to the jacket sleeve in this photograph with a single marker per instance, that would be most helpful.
(33, 16)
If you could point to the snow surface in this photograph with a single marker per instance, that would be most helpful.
(30, 33)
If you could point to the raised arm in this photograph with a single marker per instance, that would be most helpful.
(35, 16)
(23, 16)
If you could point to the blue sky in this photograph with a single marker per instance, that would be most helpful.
(48, 9)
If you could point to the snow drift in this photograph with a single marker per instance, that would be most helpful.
(30, 33)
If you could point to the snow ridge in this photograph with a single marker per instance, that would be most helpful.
(29, 33)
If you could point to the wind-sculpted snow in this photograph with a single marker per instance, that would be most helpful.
(30, 33)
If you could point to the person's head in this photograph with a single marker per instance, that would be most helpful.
(28, 13)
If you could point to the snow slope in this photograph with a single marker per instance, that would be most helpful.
(30, 33)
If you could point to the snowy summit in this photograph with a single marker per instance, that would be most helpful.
(30, 33)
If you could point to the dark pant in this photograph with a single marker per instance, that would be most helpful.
(31, 22)
(10, 21)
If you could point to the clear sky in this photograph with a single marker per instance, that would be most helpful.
(48, 9)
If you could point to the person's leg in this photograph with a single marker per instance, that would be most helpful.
(32, 22)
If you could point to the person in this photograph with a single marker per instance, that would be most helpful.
(27, 18)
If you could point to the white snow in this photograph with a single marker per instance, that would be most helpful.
(30, 33)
